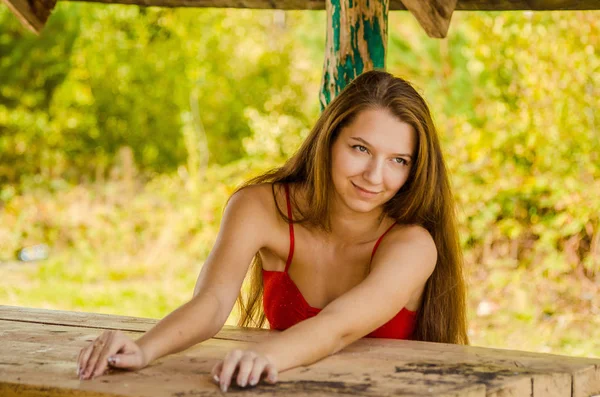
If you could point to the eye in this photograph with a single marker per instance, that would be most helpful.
(400, 160)
(360, 148)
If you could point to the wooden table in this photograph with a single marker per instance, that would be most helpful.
(38, 349)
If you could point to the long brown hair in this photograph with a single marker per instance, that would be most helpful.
(425, 199)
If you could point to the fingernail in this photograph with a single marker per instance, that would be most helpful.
(224, 388)
(216, 378)
(253, 381)
(243, 384)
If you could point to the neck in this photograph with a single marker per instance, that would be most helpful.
(355, 227)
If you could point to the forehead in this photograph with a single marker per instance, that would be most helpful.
(383, 130)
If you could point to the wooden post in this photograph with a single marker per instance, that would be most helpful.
(356, 42)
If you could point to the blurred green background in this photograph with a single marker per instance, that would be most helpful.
(123, 130)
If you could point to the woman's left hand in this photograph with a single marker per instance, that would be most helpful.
(251, 366)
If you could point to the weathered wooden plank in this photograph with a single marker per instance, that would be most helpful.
(113, 321)
(583, 373)
(32, 13)
(334, 374)
(22, 9)
(586, 382)
(520, 388)
(552, 385)
(61, 343)
(376, 346)
(433, 15)
(79, 319)
(491, 367)
(49, 366)
(101, 322)
(412, 372)
(462, 5)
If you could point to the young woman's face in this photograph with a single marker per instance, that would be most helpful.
(371, 159)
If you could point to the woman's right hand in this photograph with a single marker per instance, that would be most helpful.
(112, 348)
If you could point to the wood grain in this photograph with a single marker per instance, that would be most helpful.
(433, 15)
(38, 349)
(33, 14)
(23, 10)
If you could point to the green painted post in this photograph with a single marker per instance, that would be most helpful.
(356, 42)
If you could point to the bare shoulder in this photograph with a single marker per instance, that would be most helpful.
(253, 195)
(413, 234)
(412, 243)
(257, 205)
(255, 201)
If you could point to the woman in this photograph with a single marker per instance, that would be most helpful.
(354, 236)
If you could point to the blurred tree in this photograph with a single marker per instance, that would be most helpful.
(32, 69)
(101, 78)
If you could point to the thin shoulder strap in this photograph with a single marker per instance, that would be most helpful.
(379, 240)
(291, 227)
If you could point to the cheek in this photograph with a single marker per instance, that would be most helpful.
(344, 164)
(397, 179)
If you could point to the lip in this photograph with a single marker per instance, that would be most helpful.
(364, 192)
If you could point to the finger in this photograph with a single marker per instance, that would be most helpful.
(82, 358)
(271, 373)
(216, 371)
(78, 361)
(97, 347)
(87, 352)
(99, 351)
(131, 360)
(245, 367)
(229, 365)
(108, 349)
(257, 370)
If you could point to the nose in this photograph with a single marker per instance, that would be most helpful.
(374, 172)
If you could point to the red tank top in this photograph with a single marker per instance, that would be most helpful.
(285, 306)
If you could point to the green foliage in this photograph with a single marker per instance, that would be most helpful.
(109, 77)
(31, 71)
(516, 97)
(108, 119)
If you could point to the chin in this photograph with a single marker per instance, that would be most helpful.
(362, 206)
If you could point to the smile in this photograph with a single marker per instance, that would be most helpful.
(364, 192)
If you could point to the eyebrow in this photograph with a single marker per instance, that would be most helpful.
(368, 144)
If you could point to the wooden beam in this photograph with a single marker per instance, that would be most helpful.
(461, 5)
(356, 41)
(433, 15)
(33, 14)
(24, 12)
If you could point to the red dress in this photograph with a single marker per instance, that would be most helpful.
(285, 306)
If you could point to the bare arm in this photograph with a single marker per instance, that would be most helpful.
(216, 289)
(191, 323)
(403, 263)
(218, 284)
